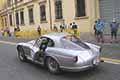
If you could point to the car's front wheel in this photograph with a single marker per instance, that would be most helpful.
(21, 55)
(52, 65)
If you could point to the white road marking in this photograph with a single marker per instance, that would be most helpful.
(6, 42)
(110, 62)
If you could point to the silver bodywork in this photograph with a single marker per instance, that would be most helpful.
(68, 59)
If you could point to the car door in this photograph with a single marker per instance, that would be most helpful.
(27, 50)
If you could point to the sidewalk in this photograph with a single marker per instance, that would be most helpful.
(109, 50)
(14, 39)
(89, 37)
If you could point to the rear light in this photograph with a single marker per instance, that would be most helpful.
(75, 59)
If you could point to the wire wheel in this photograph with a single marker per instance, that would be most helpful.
(52, 65)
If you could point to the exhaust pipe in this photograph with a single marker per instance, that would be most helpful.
(101, 60)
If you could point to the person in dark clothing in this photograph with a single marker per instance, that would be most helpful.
(39, 30)
(114, 28)
(43, 45)
(16, 29)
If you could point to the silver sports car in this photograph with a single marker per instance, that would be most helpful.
(63, 51)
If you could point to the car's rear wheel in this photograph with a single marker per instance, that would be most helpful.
(52, 65)
(21, 55)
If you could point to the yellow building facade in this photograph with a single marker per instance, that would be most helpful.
(2, 7)
(29, 14)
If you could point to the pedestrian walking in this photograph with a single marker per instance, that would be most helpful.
(99, 30)
(114, 28)
(74, 28)
(39, 30)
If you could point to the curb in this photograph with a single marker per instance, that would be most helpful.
(112, 61)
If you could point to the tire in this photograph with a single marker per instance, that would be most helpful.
(52, 65)
(21, 55)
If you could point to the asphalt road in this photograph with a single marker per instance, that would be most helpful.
(12, 69)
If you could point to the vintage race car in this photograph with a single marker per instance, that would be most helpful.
(64, 52)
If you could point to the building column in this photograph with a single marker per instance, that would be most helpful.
(50, 14)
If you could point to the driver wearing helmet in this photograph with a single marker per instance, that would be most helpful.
(43, 45)
(42, 48)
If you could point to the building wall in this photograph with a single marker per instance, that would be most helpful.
(3, 5)
(85, 23)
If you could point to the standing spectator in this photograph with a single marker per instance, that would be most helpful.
(18, 28)
(39, 30)
(74, 28)
(99, 30)
(8, 31)
(64, 26)
(61, 28)
(95, 31)
(55, 28)
(114, 28)
(70, 26)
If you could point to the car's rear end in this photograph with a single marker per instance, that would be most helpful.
(79, 60)
(84, 55)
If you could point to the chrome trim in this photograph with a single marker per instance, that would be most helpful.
(76, 69)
